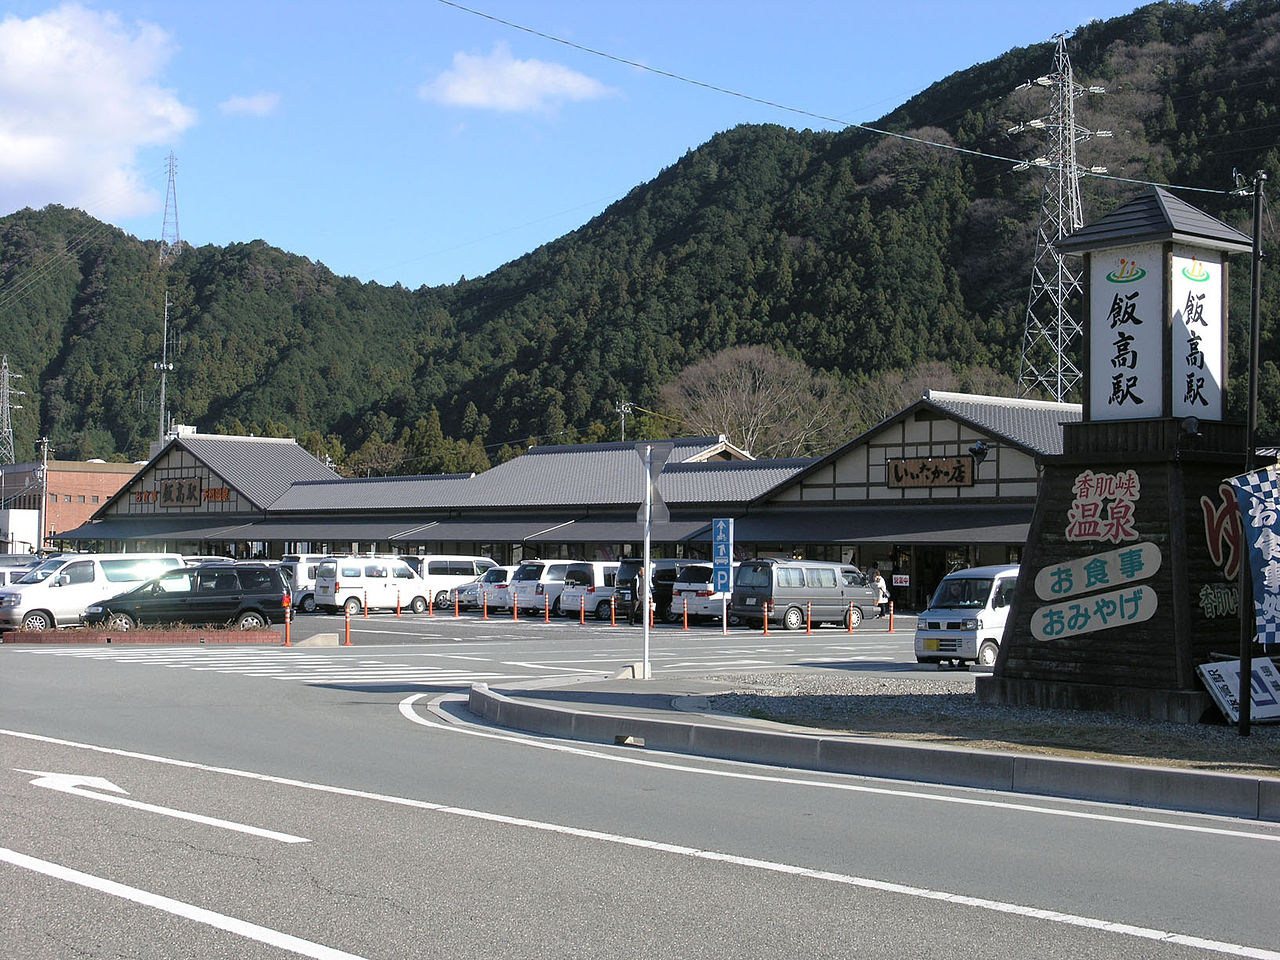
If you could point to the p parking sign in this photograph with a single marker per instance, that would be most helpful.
(722, 554)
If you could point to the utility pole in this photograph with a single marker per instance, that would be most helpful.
(164, 366)
(622, 409)
(43, 443)
(1051, 334)
(6, 407)
(170, 243)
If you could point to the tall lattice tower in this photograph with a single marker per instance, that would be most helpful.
(1052, 335)
(6, 407)
(170, 237)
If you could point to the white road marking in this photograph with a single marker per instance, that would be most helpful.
(76, 786)
(996, 906)
(242, 928)
(407, 711)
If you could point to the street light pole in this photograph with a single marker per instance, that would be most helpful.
(1248, 618)
(44, 491)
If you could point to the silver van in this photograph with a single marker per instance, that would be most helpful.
(57, 592)
(794, 592)
(299, 570)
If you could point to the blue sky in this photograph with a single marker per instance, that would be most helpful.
(415, 142)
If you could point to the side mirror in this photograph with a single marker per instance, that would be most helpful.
(61, 580)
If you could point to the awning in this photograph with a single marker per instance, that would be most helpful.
(918, 523)
(156, 528)
(627, 531)
(324, 530)
(480, 531)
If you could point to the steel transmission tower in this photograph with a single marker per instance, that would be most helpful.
(6, 408)
(170, 237)
(1052, 334)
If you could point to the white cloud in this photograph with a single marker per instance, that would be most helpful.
(255, 105)
(501, 82)
(79, 97)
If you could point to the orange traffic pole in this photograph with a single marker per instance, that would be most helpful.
(484, 604)
(848, 620)
(808, 616)
(457, 610)
(546, 609)
(613, 611)
(685, 603)
(431, 606)
(653, 609)
(397, 601)
(347, 642)
(287, 618)
(515, 605)
(891, 616)
(766, 618)
(366, 603)
(582, 610)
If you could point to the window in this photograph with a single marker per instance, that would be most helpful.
(257, 581)
(821, 577)
(378, 570)
(177, 582)
(80, 499)
(53, 498)
(94, 498)
(750, 575)
(66, 498)
(402, 571)
(78, 572)
(790, 577)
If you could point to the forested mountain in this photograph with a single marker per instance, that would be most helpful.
(870, 259)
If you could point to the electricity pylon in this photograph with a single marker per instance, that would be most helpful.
(1052, 334)
(6, 408)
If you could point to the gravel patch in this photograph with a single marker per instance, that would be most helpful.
(943, 709)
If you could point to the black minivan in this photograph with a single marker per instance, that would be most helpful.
(248, 596)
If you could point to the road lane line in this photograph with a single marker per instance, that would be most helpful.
(1035, 913)
(407, 711)
(241, 928)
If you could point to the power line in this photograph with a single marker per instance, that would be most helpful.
(790, 109)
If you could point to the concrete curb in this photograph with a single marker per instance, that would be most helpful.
(1246, 797)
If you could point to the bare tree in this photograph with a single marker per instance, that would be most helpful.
(761, 400)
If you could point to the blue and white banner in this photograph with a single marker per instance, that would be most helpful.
(1258, 495)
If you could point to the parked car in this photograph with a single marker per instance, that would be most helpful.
(665, 573)
(488, 591)
(14, 566)
(354, 582)
(966, 618)
(58, 591)
(695, 590)
(536, 585)
(588, 589)
(794, 592)
(443, 572)
(247, 595)
(300, 570)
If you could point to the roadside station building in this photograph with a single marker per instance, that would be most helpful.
(949, 481)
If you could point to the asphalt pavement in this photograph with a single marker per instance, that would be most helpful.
(675, 715)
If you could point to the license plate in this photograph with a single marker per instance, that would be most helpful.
(931, 643)
(751, 601)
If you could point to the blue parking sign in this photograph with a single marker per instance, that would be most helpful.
(722, 555)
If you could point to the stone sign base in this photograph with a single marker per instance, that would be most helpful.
(1176, 706)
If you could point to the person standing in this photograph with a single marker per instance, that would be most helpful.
(882, 590)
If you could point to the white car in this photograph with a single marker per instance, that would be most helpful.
(588, 589)
(695, 590)
(536, 585)
(488, 591)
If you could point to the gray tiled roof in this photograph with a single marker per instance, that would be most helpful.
(260, 468)
(1033, 424)
(583, 475)
(1153, 216)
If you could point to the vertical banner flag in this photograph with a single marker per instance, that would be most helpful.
(1258, 495)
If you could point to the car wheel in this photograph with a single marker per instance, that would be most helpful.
(352, 606)
(308, 604)
(120, 622)
(852, 617)
(602, 611)
(555, 609)
(987, 654)
(442, 600)
(669, 614)
(251, 620)
(419, 605)
(37, 620)
(793, 619)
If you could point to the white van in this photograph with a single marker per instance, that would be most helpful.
(536, 585)
(695, 591)
(588, 589)
(443, 572)
(353, 582)
(966, 617)
(57, 592)
(300, 571)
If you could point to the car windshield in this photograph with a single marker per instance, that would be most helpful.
(528, 571)
(41, 573)
(962, 593)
